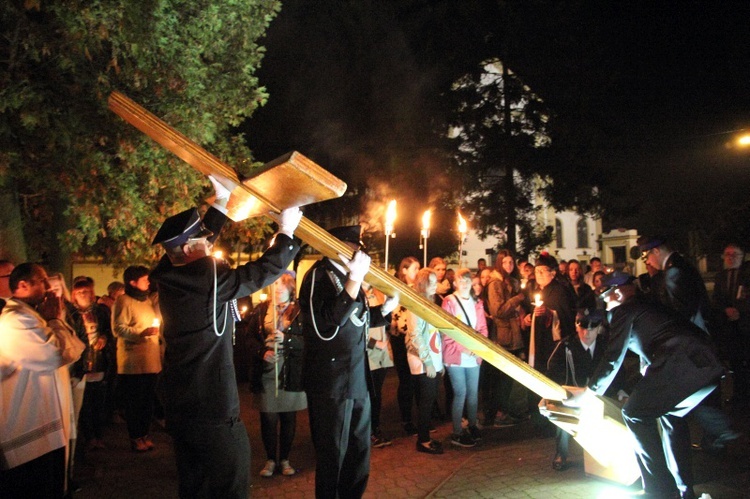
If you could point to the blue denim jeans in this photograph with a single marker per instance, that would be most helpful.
(465, 382)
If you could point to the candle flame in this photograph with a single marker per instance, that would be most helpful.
(244, 309)
(218, 254)
(390, 216)
(462, 227)
(538, 300)
(426, 219)
(263, 297)
(156, 322)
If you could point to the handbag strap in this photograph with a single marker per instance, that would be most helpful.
(458, 300)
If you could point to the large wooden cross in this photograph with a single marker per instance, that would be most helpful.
(294, 180)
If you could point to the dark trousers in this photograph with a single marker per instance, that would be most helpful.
(281, 426)
(213, 459)
(40, 478)
(405, 392)
(91, 420)
(427, 389)
(664, 459)
(376, 398)
(340, 431)
(138, 399)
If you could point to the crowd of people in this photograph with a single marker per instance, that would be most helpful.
(84, 359)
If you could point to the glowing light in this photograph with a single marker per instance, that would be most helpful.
(390, 217)
(218, 254)
(426, 220)
(156, 322)
(243, 311)
(538, 300)
(462, 227)
(744, 141)
(263, 297)
(523, 284)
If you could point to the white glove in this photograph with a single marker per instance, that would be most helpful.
(289, 220)
(221, 192)
(358, 265)
(222, 195)
(389, 305)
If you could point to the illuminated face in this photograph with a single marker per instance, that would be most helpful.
(282, 293)
(653, 258)
(56, 286)
(526, 270)
(543, 275)
(508, 264)
(476, 285)
(440, 271)
(38, 286)
(596, 265)
(410, 272)
(83, 297)
(732, 257)
(574, 271)
(598, 280)
(463, 287)
(587, 335)
(141, 284)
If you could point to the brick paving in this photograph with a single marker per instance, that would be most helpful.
(508, 463)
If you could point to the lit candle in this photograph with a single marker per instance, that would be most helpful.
(156, 322)
(263, 297)
(390, 218)
(538, 300)
(244, 309)
(218, 254)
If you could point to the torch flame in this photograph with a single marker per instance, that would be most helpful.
(462, 228)
(426, 219)
(390, 216)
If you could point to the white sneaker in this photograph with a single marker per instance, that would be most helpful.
(268, 469)
(286, 468)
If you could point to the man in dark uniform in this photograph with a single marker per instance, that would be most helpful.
(198, 381)
(336, 318)
(682, 289)
(572, 364)
(681, 370)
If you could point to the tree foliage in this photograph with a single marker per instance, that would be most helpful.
(498, 125)
(86, 181)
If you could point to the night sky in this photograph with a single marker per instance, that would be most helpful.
(656, 88)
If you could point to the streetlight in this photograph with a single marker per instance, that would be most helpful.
(425, 233)
(390, 218)
(462, 229)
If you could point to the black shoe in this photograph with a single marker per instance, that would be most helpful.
(378, 440)
(475, 433)
(560, 463)
(410, 429)
(463, 440)
(432, 447)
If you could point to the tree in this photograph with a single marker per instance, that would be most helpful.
(83, 180)
(499, 124)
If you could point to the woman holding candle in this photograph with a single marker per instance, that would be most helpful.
(136, 324)
(551, 319)
(281, 395)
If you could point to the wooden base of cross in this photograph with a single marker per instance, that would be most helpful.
(268, 192)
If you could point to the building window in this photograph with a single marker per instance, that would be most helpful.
(558, 233)
(582, 229)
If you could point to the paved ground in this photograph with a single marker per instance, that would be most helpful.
(509, 463)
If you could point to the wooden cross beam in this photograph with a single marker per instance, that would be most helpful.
(298, 172)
